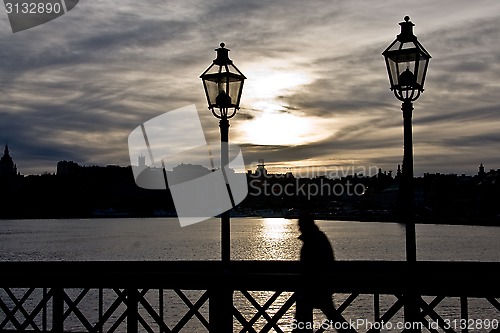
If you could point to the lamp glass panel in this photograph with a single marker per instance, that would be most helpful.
(212, 90)
(422, 67)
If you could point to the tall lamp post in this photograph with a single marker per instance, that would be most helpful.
(223, 84)
(407, 62)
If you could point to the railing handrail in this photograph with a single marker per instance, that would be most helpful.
(451, 278)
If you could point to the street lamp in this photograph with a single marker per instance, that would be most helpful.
(223, 84)
(407, 62)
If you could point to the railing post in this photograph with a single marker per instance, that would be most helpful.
(132, 310)
(221, 309)
(412, 314)
(303, 313)
(44, 311)
(376, 309)
(101, 302)
(57, 309)
(464, 312)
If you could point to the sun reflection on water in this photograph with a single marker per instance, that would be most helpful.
(275, 228)
(275, 235)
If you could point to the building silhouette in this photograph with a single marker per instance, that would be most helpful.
(88, 191)
(481, 172)
(67, 168)
(7, 165)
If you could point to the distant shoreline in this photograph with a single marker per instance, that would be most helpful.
(435, 221)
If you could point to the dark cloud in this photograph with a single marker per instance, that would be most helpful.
(477, 141)
(474, 114)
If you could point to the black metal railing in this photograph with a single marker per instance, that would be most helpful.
(244, 296)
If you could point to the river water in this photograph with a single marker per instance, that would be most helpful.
(251, 239)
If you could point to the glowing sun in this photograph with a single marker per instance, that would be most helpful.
(265, 93)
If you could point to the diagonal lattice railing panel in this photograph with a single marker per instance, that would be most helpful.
(151, 311)
(386, 311)
(162, 310)
(459, 314)
(23, 309)
(74, 312)
(90, 310)
(262, 311)
(14, 309)
(359, 312)
(197, 309)
(436, 311)
(481, 314)
(87, 296)
(94, 310)
(111, 310)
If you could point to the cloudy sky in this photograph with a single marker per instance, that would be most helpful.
(317, 93)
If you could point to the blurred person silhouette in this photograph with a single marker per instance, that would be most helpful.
(316, 256)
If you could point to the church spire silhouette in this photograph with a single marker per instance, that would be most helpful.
(7, 165)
